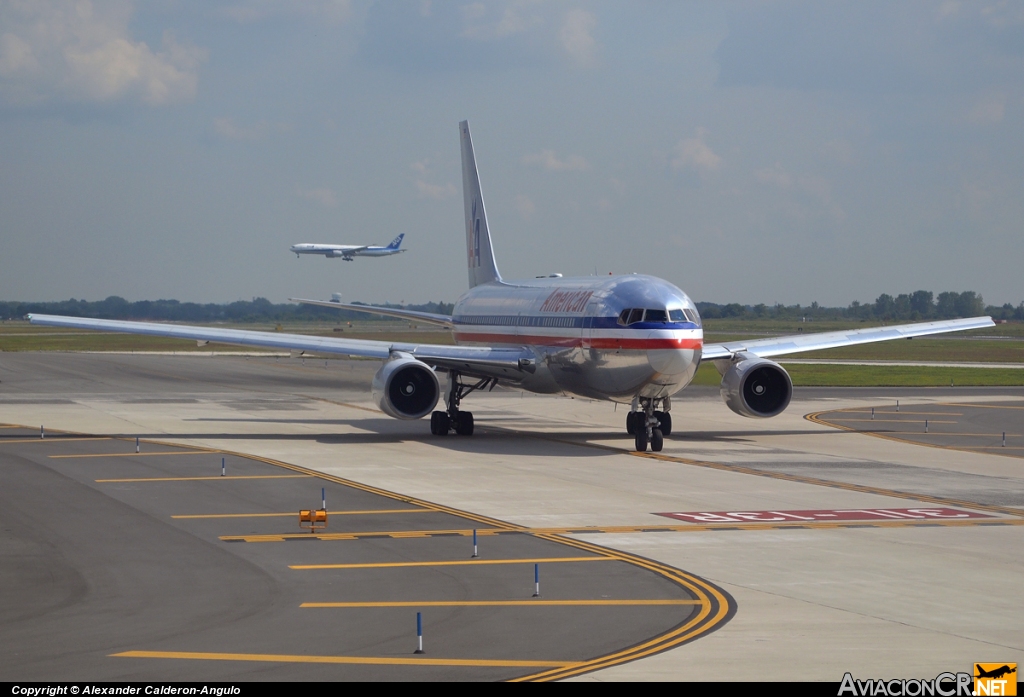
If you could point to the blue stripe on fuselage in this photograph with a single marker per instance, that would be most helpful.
(569, 322)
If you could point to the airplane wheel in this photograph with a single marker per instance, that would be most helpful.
(439, 423)
(464, 423)
(657, 440)
(641, 440)
(630, 423)
(665, 419)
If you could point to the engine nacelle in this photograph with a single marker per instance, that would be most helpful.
(406, 388)
(756, 387)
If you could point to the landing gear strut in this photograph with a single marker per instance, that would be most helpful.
(648, 426)
(441, 422)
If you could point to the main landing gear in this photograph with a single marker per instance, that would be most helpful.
(441, 422)
(648, 426)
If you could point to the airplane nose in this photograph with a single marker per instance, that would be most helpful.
(670, 361)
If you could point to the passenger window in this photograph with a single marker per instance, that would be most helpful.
(656, 316)
(676, 316)
(635, 316)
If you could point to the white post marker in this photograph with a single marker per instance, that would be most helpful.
(897, 405)
(872, 413)
(42, 432)
(474, 536)
(136, 444)
(323, 497)
(926, 425)
(223, 467)
(536, 580)
(1004, 439)
(419, 633)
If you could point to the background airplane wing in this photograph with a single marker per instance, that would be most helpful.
(428, 317)
(796, 343)
(506, 363)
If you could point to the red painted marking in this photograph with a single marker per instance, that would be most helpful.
(573, 341)
(825, 515)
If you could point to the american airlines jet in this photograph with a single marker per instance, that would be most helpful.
(630, 339)
(348, 251)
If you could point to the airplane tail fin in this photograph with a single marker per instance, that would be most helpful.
(397, 242)
(482, 267)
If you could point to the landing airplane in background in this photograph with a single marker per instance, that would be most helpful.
(348, 251)
(630, 339)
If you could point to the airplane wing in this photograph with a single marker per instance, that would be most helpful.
(428, 317)
(480, 361)
(796, 343)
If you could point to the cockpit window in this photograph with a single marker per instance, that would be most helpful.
(692, 316)
(676, 316)
(624, 317)
(656, 316)
(635, 315)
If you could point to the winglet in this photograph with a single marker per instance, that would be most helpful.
(480, 254)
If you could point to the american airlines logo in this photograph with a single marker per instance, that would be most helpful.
(566, 301)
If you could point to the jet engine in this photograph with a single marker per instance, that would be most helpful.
(756, 387)
(406, 388)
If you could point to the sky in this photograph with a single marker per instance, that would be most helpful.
(753, 152)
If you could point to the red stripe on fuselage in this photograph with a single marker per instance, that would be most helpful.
(574, 341)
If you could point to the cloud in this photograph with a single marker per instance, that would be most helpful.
(988, 111)
(331, 11)
(83, 52)
(776, 176)
(548, 160)
(435, 191)
(525, 206)
(517, 17)
(420, 167)
(695, 154)
(229, 129)
(576, 38)
(323, 195)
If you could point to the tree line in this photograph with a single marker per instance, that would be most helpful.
(255, 310)
(917, 306)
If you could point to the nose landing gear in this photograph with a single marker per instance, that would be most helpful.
(648, 426)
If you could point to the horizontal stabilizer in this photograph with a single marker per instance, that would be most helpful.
(428, 317)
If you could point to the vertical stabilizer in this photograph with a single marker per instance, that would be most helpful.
(482, 268)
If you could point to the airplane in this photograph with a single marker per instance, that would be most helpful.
(996, 673)
(348, 251)
(631, 339)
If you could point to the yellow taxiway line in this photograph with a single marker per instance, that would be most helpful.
(295, 513)
(821, 418)
(178, 452)
(461, 562)
(894, 421)
(351, 660)
(199, 479)
(510, 603)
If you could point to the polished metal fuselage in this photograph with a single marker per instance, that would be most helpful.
(572, 327)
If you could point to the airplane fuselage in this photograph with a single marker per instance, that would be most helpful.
(341, 251)
(611, 338)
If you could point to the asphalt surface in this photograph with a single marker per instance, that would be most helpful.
(107, 552)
